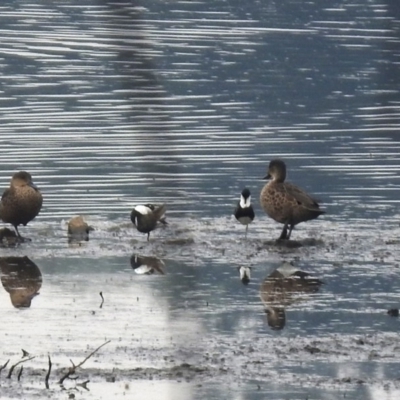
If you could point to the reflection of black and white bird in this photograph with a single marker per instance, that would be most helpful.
(245, 274)
(244, 212)
(147, 265)
(145, 217)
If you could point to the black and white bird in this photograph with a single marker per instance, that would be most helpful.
(244, 212)
(245, 274)
(146, 217)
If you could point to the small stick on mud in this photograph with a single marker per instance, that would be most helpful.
(74, 367)
(24, 353)
(20, 372)
(4, 366)
(102, 299)
(19, 362)
(46, 380)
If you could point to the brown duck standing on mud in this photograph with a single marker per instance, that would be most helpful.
(285, 202)
(21, 202)
(78, 229)
(145, 217)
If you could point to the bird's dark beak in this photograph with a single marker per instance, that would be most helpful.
(32, 185)
(268, 176)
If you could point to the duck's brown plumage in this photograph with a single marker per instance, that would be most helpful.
(285, 202)
(21, 202)
(78, 229)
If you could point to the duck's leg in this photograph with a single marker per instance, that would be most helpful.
(284, 232)
(247, 228)
(20, 238)
(16, 230)
(148, 236)
(290, 231)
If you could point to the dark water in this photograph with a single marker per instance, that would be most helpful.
(111, 104)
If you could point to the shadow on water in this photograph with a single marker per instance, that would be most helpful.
(21, 278)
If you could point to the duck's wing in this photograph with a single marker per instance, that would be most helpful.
(301, 196)
(6, 194)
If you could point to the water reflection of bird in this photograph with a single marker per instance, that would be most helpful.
(285, 202)
(78, 230)
(244, 212)
(21, 202)
(8, 238)
(21, 278)
(146, 217)
(283, 287)
(245, 274)
(147, 265)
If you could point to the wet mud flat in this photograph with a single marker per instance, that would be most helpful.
(304, 368)
(190, 326)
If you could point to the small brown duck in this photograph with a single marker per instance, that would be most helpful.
(21, 202)
(78, 229)
(285, 202)
(145, 217)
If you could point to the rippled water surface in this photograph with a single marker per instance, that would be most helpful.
(110, 104)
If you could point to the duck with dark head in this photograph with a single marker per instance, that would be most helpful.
(285, 202)
(21, 202)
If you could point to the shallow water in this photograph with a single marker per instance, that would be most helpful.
(111, 104)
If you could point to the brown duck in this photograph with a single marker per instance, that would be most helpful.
(78, 229)
(21, 202)
(285, 202)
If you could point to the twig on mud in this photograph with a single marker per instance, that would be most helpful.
(102, 299)
(19, 362)
(20, 372)
(74, 367)
(46, 380)
(4, 366)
